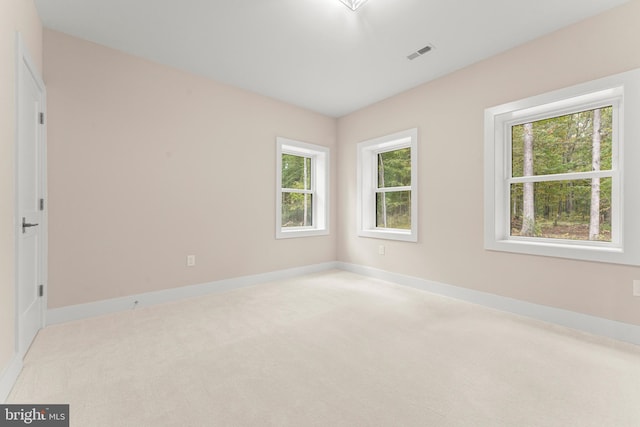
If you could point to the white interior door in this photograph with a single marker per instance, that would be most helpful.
(30, 217)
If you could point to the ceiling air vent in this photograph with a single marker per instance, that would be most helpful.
(428, 48)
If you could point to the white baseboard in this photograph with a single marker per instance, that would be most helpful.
(591, 324)
(595, 325)
(98, 308)
(9, 377)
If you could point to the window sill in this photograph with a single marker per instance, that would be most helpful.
(301, 232)
(389, 234)
(597, 252)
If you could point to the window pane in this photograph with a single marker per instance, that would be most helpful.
(393, 210)
(394, 168)
(563, 144)
(562, 209)
(296, 210)
(296, 172)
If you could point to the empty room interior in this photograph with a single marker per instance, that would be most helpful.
(320, 213)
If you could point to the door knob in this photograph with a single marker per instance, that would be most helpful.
(26, 225)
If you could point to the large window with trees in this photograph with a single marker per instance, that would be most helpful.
(302, 199)
(554, 173)
(387, 173)
(563, 175)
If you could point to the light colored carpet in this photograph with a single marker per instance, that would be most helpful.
(329, 349)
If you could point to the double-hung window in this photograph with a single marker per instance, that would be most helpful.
(555, 168)
(387, 187)
(302, 199)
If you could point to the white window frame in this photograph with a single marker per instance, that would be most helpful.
(623, 92)
(319, 188)
(368, 185)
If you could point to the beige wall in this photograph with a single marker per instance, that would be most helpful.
(143, 163)
(15, 15)
(148, 164)
(449, 115)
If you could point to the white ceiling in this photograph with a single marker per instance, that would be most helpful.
(316, 54)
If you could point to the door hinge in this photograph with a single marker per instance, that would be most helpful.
(41, 290)
(41, 204)
(41, 118)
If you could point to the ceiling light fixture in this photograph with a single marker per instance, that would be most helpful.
(353, 4)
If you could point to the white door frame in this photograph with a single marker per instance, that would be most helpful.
(25, 63)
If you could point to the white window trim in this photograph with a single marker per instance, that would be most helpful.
(319, 188)
(621, 90)
(367, 184)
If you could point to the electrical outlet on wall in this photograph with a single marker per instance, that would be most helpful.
(381, 250)
(636, 288)
(191, 260)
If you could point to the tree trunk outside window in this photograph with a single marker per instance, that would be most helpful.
(594, 222)
(528, 209)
